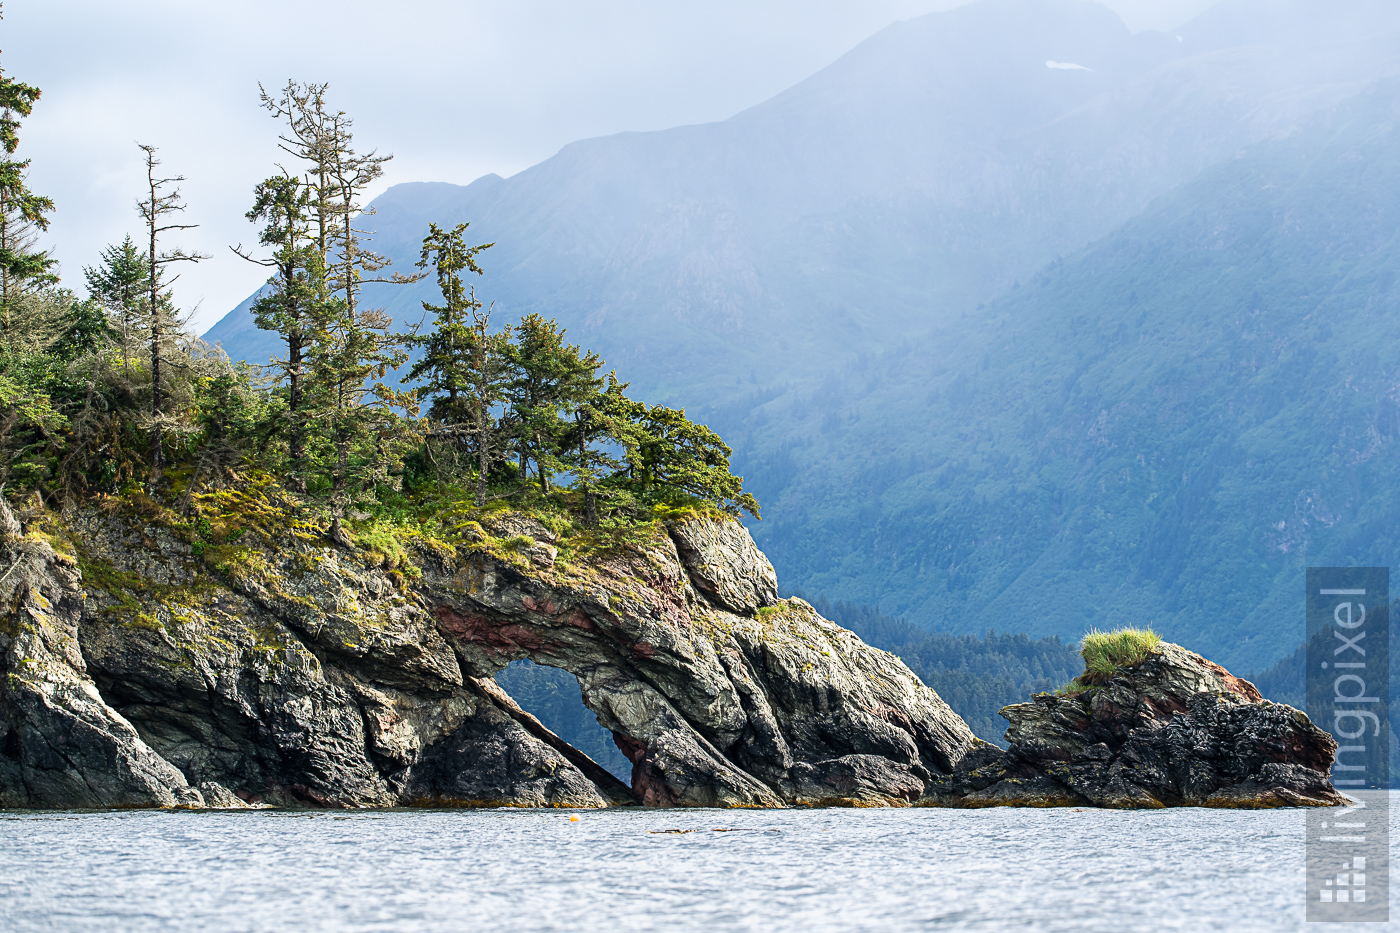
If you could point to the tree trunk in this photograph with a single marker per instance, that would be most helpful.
(483, 453)
(296, 442)
(157, 455)
(338, 535)
(5, 270)
(590, 506)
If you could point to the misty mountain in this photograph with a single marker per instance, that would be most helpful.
(936, 293)
(923, 172)
(1165, 427)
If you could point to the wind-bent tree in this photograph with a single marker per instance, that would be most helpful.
(461, 357)
(23, 214)
(550, 378)
(161, 320)
(117, 283)
(665, 454)
(599, 424)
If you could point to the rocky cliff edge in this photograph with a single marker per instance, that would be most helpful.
(142, 670)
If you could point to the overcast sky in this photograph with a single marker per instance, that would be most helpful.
(453, 90)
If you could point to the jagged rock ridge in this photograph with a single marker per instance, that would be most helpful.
(304, 674)
(1174, 730)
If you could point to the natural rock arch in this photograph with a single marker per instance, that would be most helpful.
(719, 693)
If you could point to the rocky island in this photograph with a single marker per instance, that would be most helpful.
(293, 671)
(293, 584)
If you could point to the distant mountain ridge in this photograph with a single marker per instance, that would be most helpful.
(1166, 427)
(755, 269)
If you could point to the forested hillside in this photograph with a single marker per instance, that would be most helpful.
(924, 172)
(975, 675)
(1166, 428)
(980, 379)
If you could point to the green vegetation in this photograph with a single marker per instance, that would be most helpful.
(108, 400)
(1106, 653)
(1171, 424)
(23, 214)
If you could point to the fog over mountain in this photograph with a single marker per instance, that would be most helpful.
(944, 294)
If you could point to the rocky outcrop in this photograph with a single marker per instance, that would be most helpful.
(724, 563)
(1174, 730)
(302, 677)
(61, 744)
(770, 706)
(140, 672)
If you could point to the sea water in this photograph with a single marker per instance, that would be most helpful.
(674, 871)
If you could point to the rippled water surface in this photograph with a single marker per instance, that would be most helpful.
(998, 869)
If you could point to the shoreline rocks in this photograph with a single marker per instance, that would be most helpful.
(308, 675)
(1174, 730)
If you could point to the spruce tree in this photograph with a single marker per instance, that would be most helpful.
(351, 348)
(23, 214)
(600, 424)
(550, 378)
(287, 305)
(118, 282)
(668, 455)
(461, 357)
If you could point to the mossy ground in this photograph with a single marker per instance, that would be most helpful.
(237, 531)
(1106, 653)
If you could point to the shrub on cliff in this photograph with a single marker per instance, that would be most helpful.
(1106, 653)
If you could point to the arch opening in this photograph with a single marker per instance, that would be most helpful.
(553, 696)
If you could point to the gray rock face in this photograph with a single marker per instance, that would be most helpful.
(1175, 730)
(726, 565)
(60, 743)
(301, 678)
(296, 674)
(714, 707)
(307, 675)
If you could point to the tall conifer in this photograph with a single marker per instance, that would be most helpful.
(287, 305)
(461, 357)
(351, 347)
(118, 282)
(23, 214)
(550, 378)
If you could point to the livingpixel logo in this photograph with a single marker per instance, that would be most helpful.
(1348, 694)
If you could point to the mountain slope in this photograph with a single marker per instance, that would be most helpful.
(1166, 427)
(843, 281)
(923, 172)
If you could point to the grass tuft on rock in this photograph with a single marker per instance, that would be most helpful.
(1106, 653)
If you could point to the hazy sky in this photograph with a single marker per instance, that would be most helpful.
(453, 90)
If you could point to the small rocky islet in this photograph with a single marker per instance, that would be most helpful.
(294, 671)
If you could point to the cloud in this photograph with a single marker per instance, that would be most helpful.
(1067, 66)
(454, 88)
